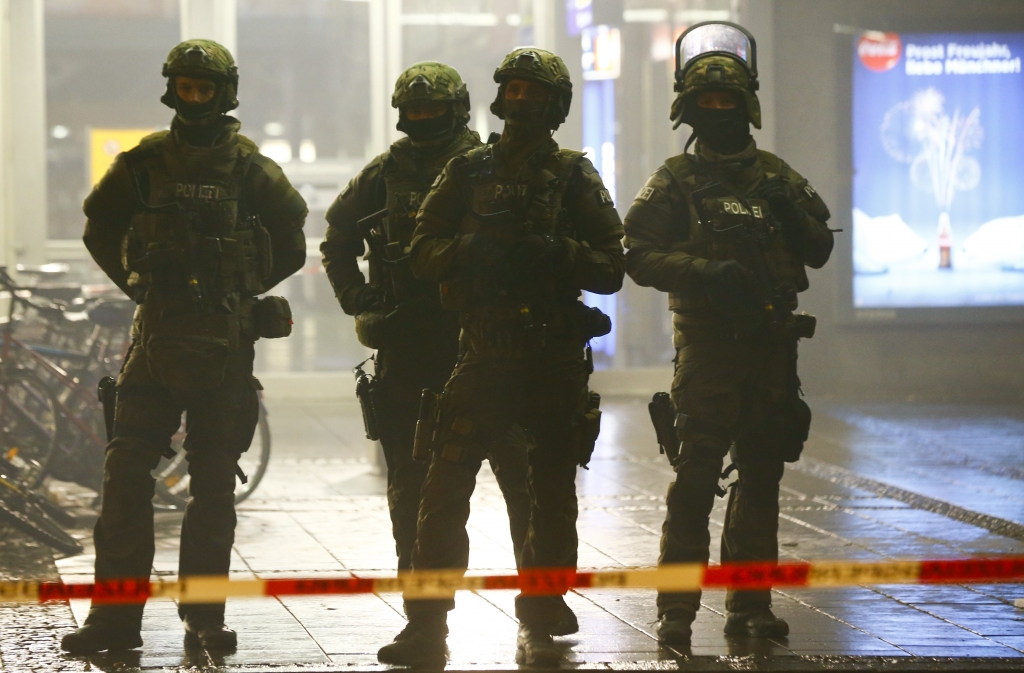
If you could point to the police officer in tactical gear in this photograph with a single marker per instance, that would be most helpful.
(400, 316)
(728, 231)
(193, 223)
(513, 231)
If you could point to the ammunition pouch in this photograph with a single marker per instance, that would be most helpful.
(426, 425)
(272, 317)
(779, 428)
(587, 429)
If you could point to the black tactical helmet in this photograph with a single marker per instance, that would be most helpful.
(715, 55)
(432, 81)
(541, 66)
(202, 58)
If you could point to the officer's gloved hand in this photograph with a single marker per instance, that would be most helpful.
(786, 211)
(370, 299)
(483, 252)
(538, 253)
(729, 285)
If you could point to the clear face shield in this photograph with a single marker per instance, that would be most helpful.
(715, 37)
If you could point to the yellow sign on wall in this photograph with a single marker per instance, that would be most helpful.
(106, 144)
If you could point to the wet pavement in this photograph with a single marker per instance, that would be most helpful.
(878, 482)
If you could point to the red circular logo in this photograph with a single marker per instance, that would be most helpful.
(879, 51)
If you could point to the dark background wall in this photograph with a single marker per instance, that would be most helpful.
(940, 361)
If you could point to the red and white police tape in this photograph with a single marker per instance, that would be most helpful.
(444, 583)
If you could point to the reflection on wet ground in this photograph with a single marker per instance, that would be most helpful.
(885, 482)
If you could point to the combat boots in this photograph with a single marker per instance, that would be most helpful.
(208, 634)
(534, 647)
(675, 628)
(421, 643)
(565, 622)
(756, 623)
(100, 636)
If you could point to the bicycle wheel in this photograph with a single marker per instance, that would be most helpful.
(19, 510)
(29, 421)
(172, 477)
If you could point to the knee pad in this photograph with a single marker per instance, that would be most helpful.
(213, 474)
(131, 455)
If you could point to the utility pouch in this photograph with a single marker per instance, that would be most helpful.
(365, 388)
(588, 428)
(663, 416)
(792, 426)
(780, 429)
(107, 392)
(272, 317)
(802, 326)
(187, 363)
(370, 328)
(426, 424)
(592, 321)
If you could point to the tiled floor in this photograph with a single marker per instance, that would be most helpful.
(321, 510)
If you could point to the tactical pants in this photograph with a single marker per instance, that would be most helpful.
(544, 394)
(396, 402)
(723, 387)
(220, 426)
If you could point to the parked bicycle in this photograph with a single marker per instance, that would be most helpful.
(73, 341)
(29, 428)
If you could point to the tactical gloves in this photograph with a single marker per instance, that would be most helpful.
(537, 253)
(729, 285)
(370, 299)
(787, 212)
(482, 252)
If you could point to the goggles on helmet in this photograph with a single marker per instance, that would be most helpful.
(715, 38)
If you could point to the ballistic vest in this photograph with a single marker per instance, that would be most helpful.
(407, 176)
(193, 237)
(723, 209)
(510, 209)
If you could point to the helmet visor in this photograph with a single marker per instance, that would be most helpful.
(716, 38)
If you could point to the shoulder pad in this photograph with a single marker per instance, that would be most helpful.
(472, 164)
(246, 146)
(771, 163)
(570, 155)
(148, 147)
(683, 170)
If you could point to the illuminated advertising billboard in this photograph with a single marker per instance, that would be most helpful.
(938, 158)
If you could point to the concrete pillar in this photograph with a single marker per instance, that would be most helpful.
(544, 24)
(6, 219)
(215, 20)
(23, 216)
(385, 67)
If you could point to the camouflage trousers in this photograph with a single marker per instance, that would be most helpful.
(542, 393)
(396, 402)
(723, 387)
(220, 426)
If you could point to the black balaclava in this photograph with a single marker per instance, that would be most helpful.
(200, 122)
(427, 130)
(525, 112)
(723, 131)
